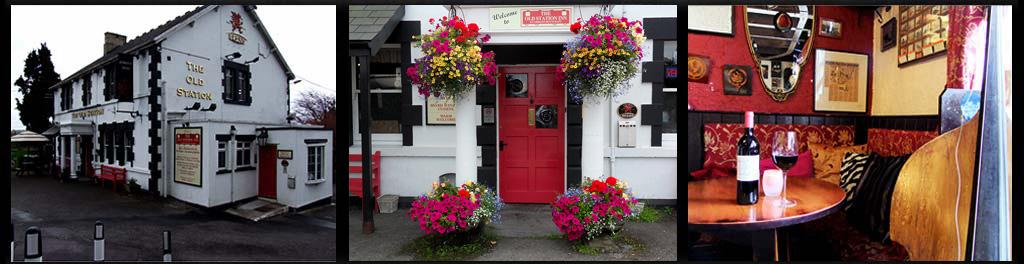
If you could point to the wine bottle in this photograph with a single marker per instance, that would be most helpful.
(747, 162)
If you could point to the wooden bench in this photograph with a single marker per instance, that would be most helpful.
(112, 174)
(355, 185)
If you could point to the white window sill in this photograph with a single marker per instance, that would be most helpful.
(316, 182)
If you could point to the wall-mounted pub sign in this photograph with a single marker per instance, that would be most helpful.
(440, 111)
(627, 110)
(87, 113)
(188, 155)
(530, 18)
(236, 25)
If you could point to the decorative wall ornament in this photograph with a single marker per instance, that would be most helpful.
(736, 79)
(841, 84)
(698, 68)
(779, 54)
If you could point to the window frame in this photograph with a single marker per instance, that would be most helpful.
(236, 83)
(243, 154)
(87, 90)
(315, 159)
(670, 138)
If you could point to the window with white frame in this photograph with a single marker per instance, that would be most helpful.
(222, 154)
(315, 163)
(243, 153)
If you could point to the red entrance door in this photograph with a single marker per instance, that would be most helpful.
(531, 130)
(268, 171)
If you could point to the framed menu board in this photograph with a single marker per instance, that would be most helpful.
(923, 31)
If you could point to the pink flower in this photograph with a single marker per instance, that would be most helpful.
(486, 38)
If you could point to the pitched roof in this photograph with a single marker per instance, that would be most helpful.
(150, 37)
(370, 25)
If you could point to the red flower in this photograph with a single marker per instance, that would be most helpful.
(598, 186)
(473, 27)
(575, 28)
(464, 193)
(611, 180)
(638, 30)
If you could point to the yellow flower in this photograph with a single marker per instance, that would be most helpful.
(472, 197)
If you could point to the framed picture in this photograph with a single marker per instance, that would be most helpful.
(710, 19)
(736, 79)
(841, 81)
(830, 28)
(698, 68)
(889, 34)
(921, 32)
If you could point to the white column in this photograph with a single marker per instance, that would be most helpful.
(465, 138)
(71, 151)
(594, 126)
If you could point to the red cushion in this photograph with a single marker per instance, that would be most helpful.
(720, 139)
(804, 166)
(713, 172)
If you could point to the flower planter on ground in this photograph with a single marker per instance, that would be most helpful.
(597, 210)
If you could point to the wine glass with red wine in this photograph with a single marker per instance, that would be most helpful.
(785, 150)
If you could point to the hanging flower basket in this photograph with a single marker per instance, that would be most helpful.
(452, 62)
(603, 56)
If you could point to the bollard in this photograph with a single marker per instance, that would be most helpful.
(167, 246)
(97, 242)
(33, 245)
(12, 243)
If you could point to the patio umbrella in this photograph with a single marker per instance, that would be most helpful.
(29, 136)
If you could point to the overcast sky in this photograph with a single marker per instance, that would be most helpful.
(305, 35)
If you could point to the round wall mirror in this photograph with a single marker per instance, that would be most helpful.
(780, 39)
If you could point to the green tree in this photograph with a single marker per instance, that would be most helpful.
(36, 107)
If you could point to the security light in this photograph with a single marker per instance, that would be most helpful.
(232, 56)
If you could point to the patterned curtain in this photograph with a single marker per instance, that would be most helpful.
(966, 55)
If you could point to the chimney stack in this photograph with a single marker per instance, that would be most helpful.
(112, 41)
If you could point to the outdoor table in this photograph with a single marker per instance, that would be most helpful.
(711, 206)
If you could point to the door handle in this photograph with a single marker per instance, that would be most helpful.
(501, 145)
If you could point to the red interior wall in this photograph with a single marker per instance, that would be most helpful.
(857, 37)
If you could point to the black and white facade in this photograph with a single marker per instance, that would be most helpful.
(195, 109)
(415, 149)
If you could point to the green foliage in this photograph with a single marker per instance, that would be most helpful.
(448, 247)
(34, 108)
(652, 214)
(585, 249)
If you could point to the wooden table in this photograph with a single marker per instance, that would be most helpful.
(711, 206)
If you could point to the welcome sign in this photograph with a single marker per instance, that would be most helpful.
(530, 18)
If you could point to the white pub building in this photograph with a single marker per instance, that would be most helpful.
(523, 137)
(195, 109)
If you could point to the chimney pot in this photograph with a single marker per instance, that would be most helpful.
(112, 41)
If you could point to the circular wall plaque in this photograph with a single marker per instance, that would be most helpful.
(627, 110)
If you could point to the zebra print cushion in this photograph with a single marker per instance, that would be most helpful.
(851, 173)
